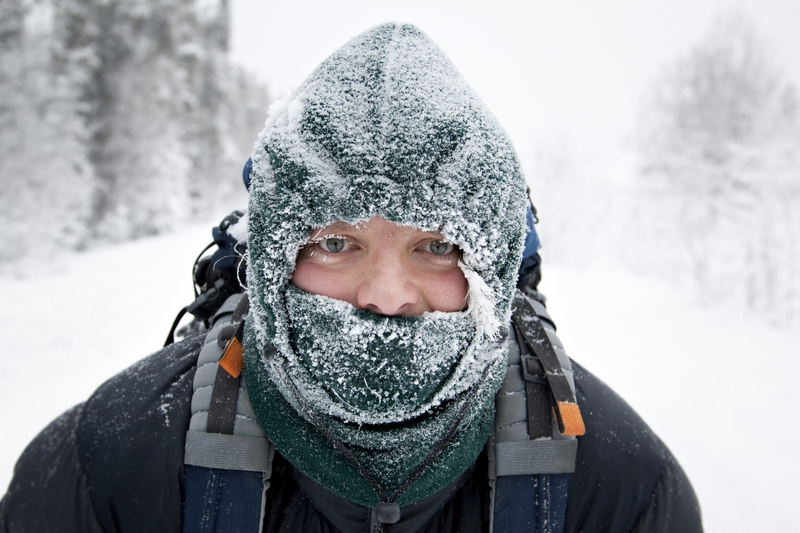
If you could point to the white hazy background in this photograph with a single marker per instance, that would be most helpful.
(670, 239)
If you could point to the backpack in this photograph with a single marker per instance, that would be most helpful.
(228, 459)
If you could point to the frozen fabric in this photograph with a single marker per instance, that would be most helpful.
(384, 127)
(389, 388)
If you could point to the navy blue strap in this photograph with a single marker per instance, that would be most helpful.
(220, 501)
(533, 504)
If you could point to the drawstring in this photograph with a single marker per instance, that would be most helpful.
(388, 511)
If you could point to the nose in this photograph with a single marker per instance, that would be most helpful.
(387, 288)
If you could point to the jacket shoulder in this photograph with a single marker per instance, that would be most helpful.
(625, 479)
(115, 462)
(49, 490)
(131, 440)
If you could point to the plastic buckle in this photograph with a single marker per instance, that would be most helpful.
(532, 370)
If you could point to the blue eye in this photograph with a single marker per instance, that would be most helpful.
(333, 244)
(440, 247)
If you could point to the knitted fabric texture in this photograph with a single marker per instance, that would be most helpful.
(384, 127)
(348, 370)
(367, 361)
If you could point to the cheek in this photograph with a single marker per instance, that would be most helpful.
(303, 278)
(319, 280)
(309, 278)
(447, 291)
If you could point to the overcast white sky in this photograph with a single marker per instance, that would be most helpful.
(574, 71)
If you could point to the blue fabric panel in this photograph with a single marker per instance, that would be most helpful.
(515, 504)
(551, 496)
(246, 173)
(222, 500)
(530, 504)
(557, 486)
(532, 243)
(200, 503)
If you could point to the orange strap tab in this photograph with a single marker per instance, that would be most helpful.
(232, 359)
(570, 419)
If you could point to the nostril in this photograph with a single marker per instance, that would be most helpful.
(386, 300)
(372, 309)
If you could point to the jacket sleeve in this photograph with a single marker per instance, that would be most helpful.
(626, 479)
(673, 505)
(114, 463)
(49, 491)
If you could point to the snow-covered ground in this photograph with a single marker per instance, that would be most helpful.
(715, 385)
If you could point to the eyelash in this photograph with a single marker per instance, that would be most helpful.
(321, 247)
(450, 249)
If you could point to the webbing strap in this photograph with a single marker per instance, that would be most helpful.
(229, 452)
(222, 409)
(535, 457)
(568, 414)
(537, 391)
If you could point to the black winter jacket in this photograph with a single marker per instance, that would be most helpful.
(115, 464)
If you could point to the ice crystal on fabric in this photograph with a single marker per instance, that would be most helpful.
(384, 127)
(373, 369)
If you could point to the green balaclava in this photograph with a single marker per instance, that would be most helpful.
(378, 408)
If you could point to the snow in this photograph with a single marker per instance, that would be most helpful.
(70, 325)
(329, 367)
(717, 386)
(413, 145)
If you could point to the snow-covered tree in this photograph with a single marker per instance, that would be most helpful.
(46, 179)
(576, 203)
(118, 118)
(719, 151)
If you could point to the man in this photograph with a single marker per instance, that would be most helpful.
(383, 372)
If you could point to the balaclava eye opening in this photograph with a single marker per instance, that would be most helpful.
(384, 127)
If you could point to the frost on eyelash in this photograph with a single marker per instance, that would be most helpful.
(317, 239)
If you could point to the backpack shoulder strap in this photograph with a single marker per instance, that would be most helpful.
(533, 447)
(540, 360)
(227, 459)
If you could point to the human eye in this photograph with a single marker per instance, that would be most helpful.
(334, 244)
(439, 247)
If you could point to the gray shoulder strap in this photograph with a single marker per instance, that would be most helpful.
(229, 452)
(511, 450)
(519, 458)
(247, 448)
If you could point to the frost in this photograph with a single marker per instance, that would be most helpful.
(482, 303)
(238, 230)
(419, 362)
(385, 127)
(164, 408)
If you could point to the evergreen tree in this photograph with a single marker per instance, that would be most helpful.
(46, 178)
(118, 118)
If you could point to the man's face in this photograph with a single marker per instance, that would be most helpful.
(382, 267)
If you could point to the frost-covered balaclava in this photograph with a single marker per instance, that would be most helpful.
(384, 127)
